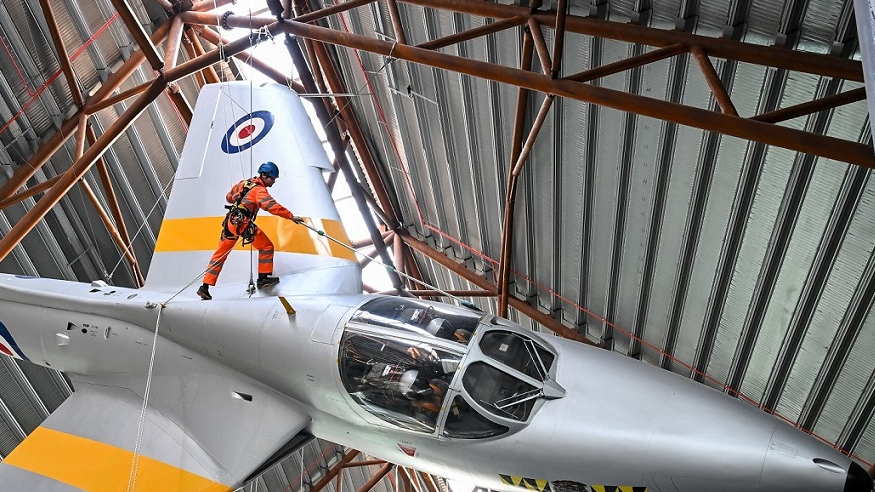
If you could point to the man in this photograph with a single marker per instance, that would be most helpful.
(246, 197)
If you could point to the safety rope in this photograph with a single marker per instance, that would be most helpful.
(140, 229)
(141, 426)
(390, 268)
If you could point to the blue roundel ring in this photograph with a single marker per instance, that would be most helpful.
(259, 124)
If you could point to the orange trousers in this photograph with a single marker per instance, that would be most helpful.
(261, 242)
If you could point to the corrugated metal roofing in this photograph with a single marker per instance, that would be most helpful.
(746, 266)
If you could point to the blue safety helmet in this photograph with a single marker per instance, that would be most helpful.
(270, 169)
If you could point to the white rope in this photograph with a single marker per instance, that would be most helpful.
(140, 229)
(135, 464)
(389, 268)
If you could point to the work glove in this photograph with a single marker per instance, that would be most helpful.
(297, 220)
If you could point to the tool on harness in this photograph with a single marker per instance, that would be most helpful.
(238, 215)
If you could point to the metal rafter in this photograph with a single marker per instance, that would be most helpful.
(745, 128)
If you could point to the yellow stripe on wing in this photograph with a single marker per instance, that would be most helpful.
(202, 234)
(98, 467)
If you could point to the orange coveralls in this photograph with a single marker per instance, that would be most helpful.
(257, 197)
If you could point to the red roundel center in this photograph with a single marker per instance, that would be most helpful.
(4, 350)
(246, 131)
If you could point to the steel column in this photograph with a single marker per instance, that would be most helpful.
(79, 168)
(522, 103)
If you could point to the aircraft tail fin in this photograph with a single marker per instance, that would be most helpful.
(235, 128)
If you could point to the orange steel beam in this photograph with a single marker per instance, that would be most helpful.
(522, 104)
(474, 33)
(54, 143)
(355, 464)
(396, 22)
(121, 96)
(207, 5)
(559, 37)
(187, 44)
(329, 476)
(510, 202)
(253, 61)
(800, 61)
(375, 479)
(114, 208)
(428, 480)
(540, 46)
(806, 108)
(532, 312)
(628, 63)
(136, 29)
(180, 103)
(138, 279)
(208, 72)
(798, 140)
(63, 59)
(398, 256)
(79, 168)
(29, 192)
(713, 80)
(171, 46)
(344, 107)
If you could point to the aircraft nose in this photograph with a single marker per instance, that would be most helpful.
(858, 480)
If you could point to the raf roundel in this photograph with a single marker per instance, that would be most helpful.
(8, 345)
(247, 131)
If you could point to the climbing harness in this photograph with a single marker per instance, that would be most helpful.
(238, 215)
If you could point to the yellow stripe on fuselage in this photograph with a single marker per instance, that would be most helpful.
(98, 467)
(202, 234)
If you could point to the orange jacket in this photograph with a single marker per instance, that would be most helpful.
(257, 198)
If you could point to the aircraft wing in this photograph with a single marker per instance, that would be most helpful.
(205, 431)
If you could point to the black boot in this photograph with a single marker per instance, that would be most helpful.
(204, 292)
(265, 280)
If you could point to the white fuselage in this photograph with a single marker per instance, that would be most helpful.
(619, 422)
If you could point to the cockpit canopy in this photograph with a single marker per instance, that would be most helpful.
(430, 319)
(412, 364)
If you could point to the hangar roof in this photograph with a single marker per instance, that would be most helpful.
(693, 189)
